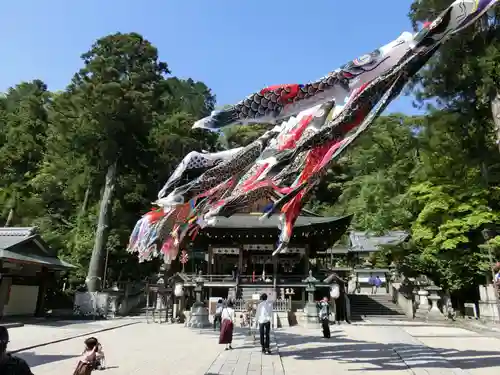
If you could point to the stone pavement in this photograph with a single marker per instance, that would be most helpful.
(30, 335)
(380, 346)
(247, 358)
(135, 349)
(351, 350)
(477, 353)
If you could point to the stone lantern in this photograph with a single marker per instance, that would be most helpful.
(179, 305)
(179, 289)
(393, 272)
(198, 289)
(199, 313)
(423, 303)
(433, 296)
(311, 308)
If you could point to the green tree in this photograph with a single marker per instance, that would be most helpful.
(241, 136)
(24, 119)
(104, 119)
(380, 168)
(115, 134)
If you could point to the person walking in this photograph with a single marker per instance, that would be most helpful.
(371, 281)
(376, 284)
(217, 316)
(324, 317)
(263, 316)
(227, 325)
(9, 364)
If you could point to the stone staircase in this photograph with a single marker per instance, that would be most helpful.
(374, 305)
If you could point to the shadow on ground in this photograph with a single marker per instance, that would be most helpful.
(45, 322)
(34, 359)
(373, 356)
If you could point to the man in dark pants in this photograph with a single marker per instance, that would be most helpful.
(263, 317)
(217, 316)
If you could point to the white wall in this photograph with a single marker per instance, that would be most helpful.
(22, 300)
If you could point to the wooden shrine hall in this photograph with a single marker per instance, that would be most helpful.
(245, 243)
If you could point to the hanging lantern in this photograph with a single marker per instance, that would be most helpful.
(179, 290)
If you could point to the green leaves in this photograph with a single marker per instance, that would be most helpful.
(55, 147)
(379, 167)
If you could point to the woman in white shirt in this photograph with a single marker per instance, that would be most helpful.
(227, 325)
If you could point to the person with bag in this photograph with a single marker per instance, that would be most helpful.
(227, 325)
(91, 357)
(9, 364)
(324, 317)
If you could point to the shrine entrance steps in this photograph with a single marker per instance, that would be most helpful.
(374, 305)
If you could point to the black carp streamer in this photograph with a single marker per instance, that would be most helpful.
(310, 126)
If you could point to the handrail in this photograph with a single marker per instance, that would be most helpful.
(211, 278)
(278, 305)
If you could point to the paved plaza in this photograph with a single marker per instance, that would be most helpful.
(378, 347)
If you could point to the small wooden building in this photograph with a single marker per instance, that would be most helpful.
(27, 266)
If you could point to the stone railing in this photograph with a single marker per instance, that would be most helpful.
(211, 278)
(278, 305)
(402, 295)
(421, 298)
(109, 303)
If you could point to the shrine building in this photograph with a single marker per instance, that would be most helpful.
(235, 254)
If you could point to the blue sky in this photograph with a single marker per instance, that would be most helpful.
(235, 47)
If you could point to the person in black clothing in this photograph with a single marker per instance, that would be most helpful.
(324, 317)
(9, 364)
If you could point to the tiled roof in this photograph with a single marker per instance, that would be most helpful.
(253, 221)
(11, 236)
(49, 262)
(364, 241)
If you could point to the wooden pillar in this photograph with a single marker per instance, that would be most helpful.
(43, 279)
(306, 260)
(240, 259)
(210, 257)
(275, 274)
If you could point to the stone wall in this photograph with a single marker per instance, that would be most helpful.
(91, 304)
(487, 305)
(403, 296)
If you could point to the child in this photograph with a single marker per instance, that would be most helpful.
(92, 357)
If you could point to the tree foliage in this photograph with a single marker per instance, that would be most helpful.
(120, 107)
(435, 176)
